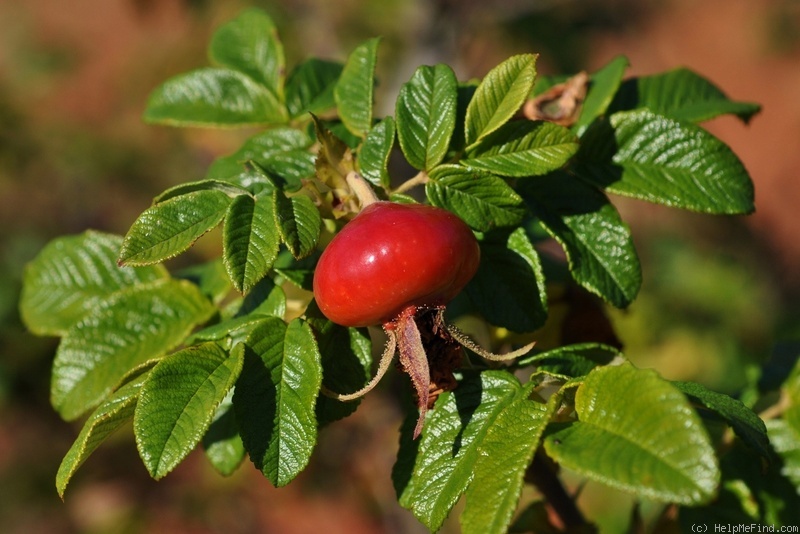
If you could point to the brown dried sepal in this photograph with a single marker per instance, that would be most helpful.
(561, 103)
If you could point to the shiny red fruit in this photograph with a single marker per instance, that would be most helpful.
(392, 256)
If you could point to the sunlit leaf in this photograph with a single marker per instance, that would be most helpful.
(178, 401)
(131, 327)
(71, 276)
(499, 96)
(426, 115)
(213, 97)
(171, 227)
(354, 92)
(637, 432)
(250, 44)
(275, 398)
(653, 158)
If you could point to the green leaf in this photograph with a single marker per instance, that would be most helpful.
(209, 277)
(744, 422)
(250, 240)
(482, 200)
(178, 401)
(71, 276)
(450, 445)
(275, 398)
(503, 458)
(508, 289)
(602, 257)
(281, 151)
(680, 94)
(373, 156)
(653, 158)
(298, 221)
(784, 434)
(523, 148)
(572, 360)
(131, 327)
(426, 115)
(298, 272)
(171, 227)
(309, 87)
(232, 190)
(499, 96)
(211, 97)
(109, 417)
(266, 298)
(603, 86)
(250, 44)
(222, 443)
(354, 92)
(637, 432)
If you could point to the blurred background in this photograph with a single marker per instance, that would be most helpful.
(720, 294)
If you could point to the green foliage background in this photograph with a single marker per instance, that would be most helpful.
(75, 154)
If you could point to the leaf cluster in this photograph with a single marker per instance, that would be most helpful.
(217, 356)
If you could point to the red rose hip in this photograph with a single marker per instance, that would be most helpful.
(392, 256)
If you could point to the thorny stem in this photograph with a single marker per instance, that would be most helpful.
(420, 179)
(541, 474)
(383, 366)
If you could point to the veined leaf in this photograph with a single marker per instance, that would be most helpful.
(523, 148)
(299, 221)
(499, 96)
(250, 44)
(426, 115)
(309, 87)
(169, 228)
(250, 240)
(598, 244)
(680, 94)
(213, 97)
(281, 151)
(784, 434)
(450, 446)
(604, 85)
(484, 201)
(653, 158)
(71, 276)
(131, 327)
(504, 456)
(114, 413)
(275, 398)
(637, 432)
(508, 288)
(178, 401)
(744, 422)
(354, 92)
(373, 156)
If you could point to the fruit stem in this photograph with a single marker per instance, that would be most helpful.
(383, 366)
(361, 188)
